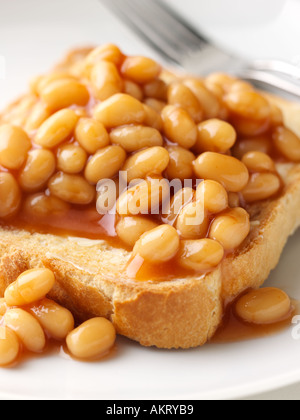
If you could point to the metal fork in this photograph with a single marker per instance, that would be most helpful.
(179, 43)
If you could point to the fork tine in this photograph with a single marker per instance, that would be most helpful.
(275, 83)
(165, 31)
(183, 28)
(165, 24)
(145, 12)
(136, 19)
(176, 40)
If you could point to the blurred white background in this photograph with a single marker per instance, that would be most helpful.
(34, 34)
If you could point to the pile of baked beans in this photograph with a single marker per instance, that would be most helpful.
(28, 320)
(110, 113)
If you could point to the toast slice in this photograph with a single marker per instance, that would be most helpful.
(178, 313)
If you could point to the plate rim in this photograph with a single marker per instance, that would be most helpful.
(236, 392)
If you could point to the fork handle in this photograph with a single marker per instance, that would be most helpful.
(273, 82)
(277, 66)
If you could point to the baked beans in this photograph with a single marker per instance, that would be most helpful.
(73, 189)
(106, 163)
(41, 82)
(215, 136)
(91, 135)
(34, 84)
(30, 286)
(180, 163)
(107, 113)
(209, 102)
(92, 339)
(144, 198)
(71, 159)
(27, 328)
(200, 255)
(155, 104)
(157, 89)
(261, 144)
(107, 195)
(134, 90)
(140, 69)
(42, 205)
(287, 143)
(81, 112)
(240, 85)
(130, 229)
(107, 52)
(234, 200)
(183, 97)
(277, 118)
(261, 186)
(3, 306)
(39, 114)
(192, 222)
(56, 320)
(10, 195)
(63, 93)
(9, 346)
(160, 244)
(153, 118)
(180, 152)
(213, 196)
(227, 170)
(106, 80)
(215, 89)
(258, 162)
(136, 137)
(230, 228)
(220, 81)
(151, 161)
(248, 104)
(56, 129)
(39, 168)
(179, 127)
(14, 146)
(17, 113)
(120, 109)
(40, 319)
(264, 306)
(180, 199)
(246, 127)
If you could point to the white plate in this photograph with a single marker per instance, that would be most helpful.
(223, 371)
(33, 35)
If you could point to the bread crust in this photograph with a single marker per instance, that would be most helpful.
(180, 313)
(91, 277)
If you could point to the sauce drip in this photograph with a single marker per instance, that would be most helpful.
(233, 329)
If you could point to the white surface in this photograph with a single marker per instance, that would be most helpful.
(34, 34)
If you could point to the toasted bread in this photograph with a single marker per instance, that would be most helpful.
(91, 277)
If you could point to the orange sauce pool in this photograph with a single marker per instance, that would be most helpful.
(58, 349)
(76, 221)
(87, 223)
(233, 329)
